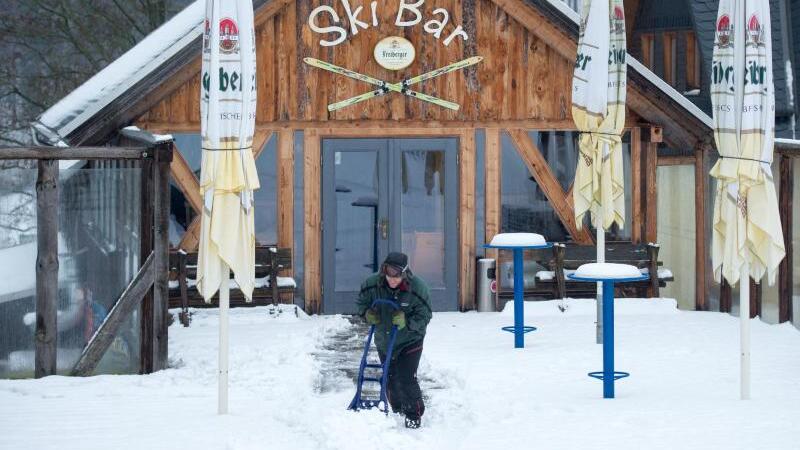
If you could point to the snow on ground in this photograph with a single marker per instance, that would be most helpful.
(482, 393)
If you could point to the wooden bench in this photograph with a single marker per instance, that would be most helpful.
(565, 258)
(270, 287)
(568, 257)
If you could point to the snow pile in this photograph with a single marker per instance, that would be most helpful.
(481, 392)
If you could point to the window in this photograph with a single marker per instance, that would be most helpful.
(670, 59)
(648, 48)
(692, 62)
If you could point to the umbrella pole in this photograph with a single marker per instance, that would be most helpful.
(601, 258)
(744, 321)
(224, 300)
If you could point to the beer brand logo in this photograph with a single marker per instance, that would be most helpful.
(724, 32)
(394, 53)
(228, 36)
(618, 20)
(755, 31)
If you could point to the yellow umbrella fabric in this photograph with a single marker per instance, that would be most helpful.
(598, 109)
(746, 219)
(228, 174)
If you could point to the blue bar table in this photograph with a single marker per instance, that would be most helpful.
(608, 375)
(517, 242)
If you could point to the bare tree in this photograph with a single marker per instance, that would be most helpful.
(49, 47)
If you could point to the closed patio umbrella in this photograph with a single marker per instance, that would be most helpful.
(228, 174)
(598, 109)
(747, 239)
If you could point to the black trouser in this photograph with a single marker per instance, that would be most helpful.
(403, 390)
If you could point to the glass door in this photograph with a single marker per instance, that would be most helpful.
(382, 195)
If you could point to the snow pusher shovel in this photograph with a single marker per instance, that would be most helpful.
(381, 402)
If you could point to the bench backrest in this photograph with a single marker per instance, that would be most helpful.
(266, 257)
(638, 255)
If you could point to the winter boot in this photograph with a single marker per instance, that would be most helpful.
(413, 422)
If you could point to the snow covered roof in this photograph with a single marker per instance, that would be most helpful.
(108, 84)
(679, 98)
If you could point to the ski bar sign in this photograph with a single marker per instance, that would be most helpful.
(408, 14)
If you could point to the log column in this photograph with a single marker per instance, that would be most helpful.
(46, 268)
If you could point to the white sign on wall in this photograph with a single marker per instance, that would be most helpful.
(394, 53)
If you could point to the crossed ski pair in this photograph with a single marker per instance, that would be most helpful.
(401, 87)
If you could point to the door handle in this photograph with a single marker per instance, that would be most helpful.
(383, 226)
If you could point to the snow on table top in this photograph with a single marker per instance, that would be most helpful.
(607, 270)
(518, 240)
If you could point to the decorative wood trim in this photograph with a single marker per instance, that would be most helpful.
(701, 253)
(108, 330)
(467, 220)
(636, 188)
(548, 183)
(45, 339)
(786, 275)
(285, 185)
(493, 187)
(312, 235)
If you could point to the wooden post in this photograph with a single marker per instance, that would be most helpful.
(466, 218)
(652, 267)
(786, 275)
(651, 199)
(146, 248)
(725, 296)
(46, 268)
(636, 189)
(561, 283)
(755, 299)
(312, 234)
(700, 188)
(163, 158)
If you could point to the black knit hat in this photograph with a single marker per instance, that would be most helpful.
(395, 264)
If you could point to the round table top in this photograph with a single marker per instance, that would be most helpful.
(523, 247)
(610, 278)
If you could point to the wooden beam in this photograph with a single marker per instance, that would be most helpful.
(147, 205)
(636, 188)
(127, 302)
(686, 160)
(191, 237)
(161, 251)
(82, 153)
(260, 137)
(269, 10)
(46, 268)
(312, 235)
(186, 180)
(548, 183)
(701, 252)
(285, 206)
(467, 152)
(397, 127)
(493, 187)
(786, 269)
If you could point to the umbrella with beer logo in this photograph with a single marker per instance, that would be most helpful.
(747, 239)
(598, 109)
(228, 175)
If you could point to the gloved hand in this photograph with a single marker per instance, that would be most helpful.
(372, 316)
(399, 319)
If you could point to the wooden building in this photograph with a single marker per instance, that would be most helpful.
(341, 188)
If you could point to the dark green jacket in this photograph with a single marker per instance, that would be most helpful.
(413, 298)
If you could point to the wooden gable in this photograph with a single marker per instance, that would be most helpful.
(526, 73)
